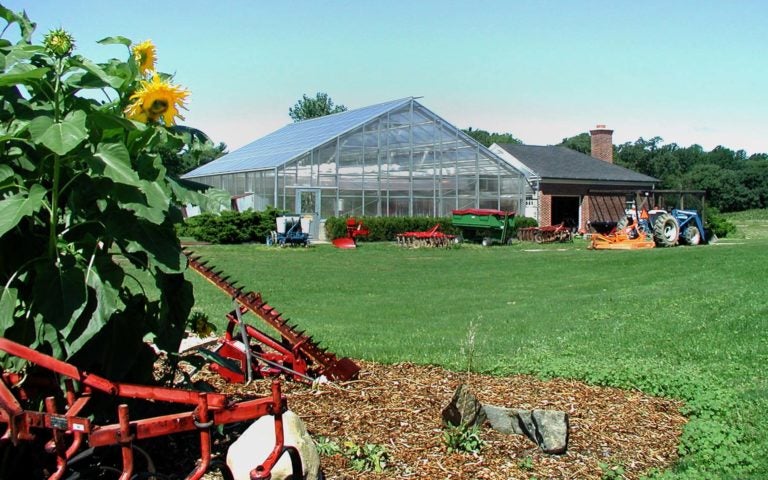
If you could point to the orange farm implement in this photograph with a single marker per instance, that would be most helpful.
(354, 229)
(431, 238)
(64, 426)
(295, 354)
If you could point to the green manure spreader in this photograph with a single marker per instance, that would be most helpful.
(484, 225)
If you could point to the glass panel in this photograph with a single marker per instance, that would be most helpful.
(401, 117)
(492, 203)
(424, 207)
(327, 181)
(352, 206)
(308, 201)
(325, 157)
(304, 171)
(447, 205)
(466, 202)
(398, 137)
(328, 204)
(397, 207)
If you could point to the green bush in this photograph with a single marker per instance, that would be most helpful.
(716, 223)
(231, 227)
(523, 222)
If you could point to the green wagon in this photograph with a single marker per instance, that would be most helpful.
(484, 225)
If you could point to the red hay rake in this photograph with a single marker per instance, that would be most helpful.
(295, 355)
(66, 431)
(431, 238)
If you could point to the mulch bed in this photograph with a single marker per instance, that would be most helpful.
(398, 406)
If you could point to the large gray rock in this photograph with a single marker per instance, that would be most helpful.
(551, 430)
(464, 409)
(504, 420)
(546, 428)
(256, 443)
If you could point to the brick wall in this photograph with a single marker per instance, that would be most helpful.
(602, 143)
(545, 210)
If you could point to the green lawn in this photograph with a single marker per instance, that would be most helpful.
(686, 322)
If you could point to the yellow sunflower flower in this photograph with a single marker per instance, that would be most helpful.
(145, 54)
(157, 99)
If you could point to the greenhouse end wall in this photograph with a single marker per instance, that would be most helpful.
(407, 162)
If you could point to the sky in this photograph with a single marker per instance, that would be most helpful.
(690, 72)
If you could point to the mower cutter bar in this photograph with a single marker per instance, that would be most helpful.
(329, 365)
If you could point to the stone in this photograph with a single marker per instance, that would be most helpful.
(464, 409)
(504, 420)
(546, 428)
(551, 430)
(256, 443)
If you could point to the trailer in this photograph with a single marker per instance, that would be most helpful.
(485, 226)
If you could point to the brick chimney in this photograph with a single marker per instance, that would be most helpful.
(602, 143)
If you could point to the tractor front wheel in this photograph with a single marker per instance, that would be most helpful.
(665, 230)
(691, 235)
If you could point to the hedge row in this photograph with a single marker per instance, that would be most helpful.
(231, 227)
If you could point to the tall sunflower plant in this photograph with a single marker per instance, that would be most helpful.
(91, 267)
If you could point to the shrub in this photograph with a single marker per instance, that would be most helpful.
(524, 222)
(230, 227)
(716, 223)
(462, 438)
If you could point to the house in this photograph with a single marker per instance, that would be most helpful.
(573, 188)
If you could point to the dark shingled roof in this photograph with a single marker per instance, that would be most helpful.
(560, 163)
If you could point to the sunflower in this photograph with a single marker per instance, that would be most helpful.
(145, 54)
(157, 99)
(59, 42)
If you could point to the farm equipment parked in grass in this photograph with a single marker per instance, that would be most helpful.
(354, 229)
(548, 234)
(290, 231)
(64, 433)
(643, 228)
(485, 225)
(296, 355)
(431, 238)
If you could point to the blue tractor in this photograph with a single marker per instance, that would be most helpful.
(668, 228)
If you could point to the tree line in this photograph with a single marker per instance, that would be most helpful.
(733, 181)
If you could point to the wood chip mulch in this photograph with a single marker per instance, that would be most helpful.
(399, 406)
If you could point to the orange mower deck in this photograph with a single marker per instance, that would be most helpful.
(621, 241)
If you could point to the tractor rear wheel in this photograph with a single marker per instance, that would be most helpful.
(665, 230)
(691, 235)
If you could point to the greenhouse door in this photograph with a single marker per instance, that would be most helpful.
(308, 205)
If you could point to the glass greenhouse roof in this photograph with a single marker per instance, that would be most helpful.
(293, 140)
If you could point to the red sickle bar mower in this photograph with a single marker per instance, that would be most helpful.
(68, 429)
(295, 354)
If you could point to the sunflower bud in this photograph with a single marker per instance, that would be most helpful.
(59, 43)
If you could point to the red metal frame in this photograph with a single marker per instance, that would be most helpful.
(278, 360)
(431, 238)
(69, 429)
(295, 343)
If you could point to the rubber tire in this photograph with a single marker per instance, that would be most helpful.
(691, 235)
(666, 231)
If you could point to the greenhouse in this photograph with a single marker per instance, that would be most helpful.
(392, 159)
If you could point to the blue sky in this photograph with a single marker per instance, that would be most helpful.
(691, 72)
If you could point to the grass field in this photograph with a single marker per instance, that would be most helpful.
(685, 322)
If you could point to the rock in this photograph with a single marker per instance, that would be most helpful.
(546, 428)
(504, 420)
(256, 443)
(551, 430)
(464, 409)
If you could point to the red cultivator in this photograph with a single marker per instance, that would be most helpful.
(67, 430)
(431, 238)
(354, 229)
(296, 354)
(549, 234)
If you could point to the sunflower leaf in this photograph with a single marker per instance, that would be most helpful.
(115, 163)
(63, 137)
(97, 71)
(21, 74)
(116, 40)
(16, 207)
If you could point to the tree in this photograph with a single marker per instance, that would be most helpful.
(487, 139)
(581, 143)
(319, 106)
(193, 149)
